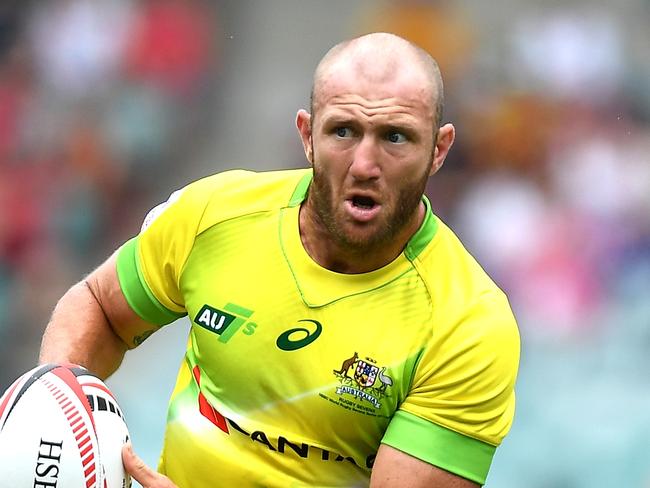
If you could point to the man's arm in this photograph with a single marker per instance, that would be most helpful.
(93, 325)
(394, 468)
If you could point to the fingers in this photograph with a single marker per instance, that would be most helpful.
(142, 473)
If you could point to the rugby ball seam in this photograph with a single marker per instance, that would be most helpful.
(36, 374)
(79, 429)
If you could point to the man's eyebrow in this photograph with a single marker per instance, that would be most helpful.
(339, 119)
(400, 125)
(397, 122)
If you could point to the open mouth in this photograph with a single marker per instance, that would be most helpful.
(363, 208)
(365, 203)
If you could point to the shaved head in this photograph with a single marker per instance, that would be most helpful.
(373, 138)
(378, 58)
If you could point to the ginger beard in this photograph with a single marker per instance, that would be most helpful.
(396, 212)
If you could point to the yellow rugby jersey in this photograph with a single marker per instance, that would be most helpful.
(295, 374)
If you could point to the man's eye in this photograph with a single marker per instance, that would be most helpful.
(396, 137)
(343, 132)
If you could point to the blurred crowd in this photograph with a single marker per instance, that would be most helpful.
(549, 180)
(548, 184)
(100, 105)
(103, 104)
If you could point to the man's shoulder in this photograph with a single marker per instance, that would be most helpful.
(235, 193)
(463, 294)
(453, 274)
(243, 184)
(446, 255)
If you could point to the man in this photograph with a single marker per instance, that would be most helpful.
(341, 335)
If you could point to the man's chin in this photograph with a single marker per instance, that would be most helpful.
(364, 238)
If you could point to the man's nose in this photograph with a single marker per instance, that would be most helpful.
(365, 162)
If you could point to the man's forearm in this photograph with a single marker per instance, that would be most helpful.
(79, 333)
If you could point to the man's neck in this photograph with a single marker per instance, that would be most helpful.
(328, 252)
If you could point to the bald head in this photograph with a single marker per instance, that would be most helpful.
(379, 58)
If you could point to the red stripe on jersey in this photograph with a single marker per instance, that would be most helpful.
(207, 410)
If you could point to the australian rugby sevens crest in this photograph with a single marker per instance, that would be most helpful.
(363, 384)
(365, 374)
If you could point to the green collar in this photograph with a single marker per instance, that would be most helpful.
(416, 243)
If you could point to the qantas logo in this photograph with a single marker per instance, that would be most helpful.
(301, 449)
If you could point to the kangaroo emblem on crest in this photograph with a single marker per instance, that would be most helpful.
(347, 364)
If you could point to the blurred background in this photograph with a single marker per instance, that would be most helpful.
(106, 107)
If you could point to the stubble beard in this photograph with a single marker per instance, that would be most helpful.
(331, 215)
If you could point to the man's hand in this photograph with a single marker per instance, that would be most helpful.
(142, 473)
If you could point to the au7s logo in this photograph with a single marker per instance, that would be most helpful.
(225, 323)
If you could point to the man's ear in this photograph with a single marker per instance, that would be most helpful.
(303, 124)
(446, 136)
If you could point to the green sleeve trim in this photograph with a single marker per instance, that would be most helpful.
(444, 448)
(135, 288)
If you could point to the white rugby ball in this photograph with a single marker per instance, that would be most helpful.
(60, 426)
